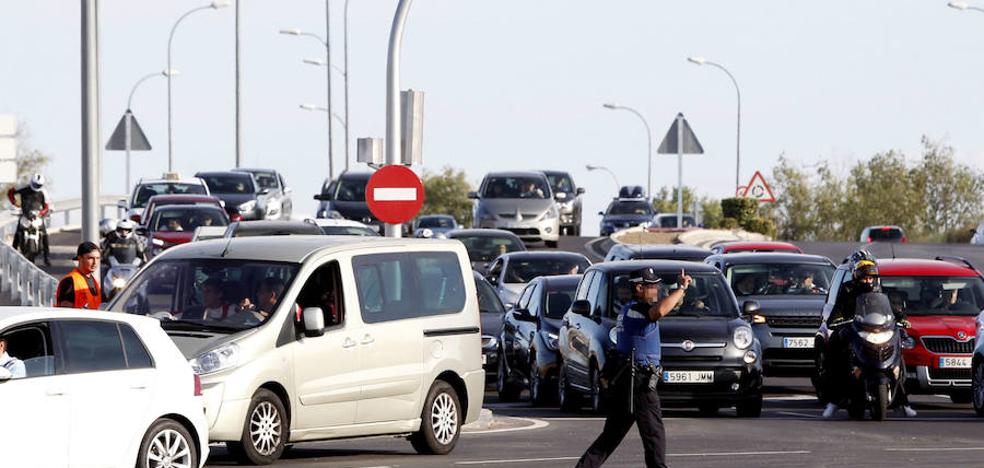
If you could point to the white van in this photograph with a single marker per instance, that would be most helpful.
(302, 338)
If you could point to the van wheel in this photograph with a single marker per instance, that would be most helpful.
(440, 421)
(265, 434)
(167, 443)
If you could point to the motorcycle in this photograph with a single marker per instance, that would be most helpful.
(877, 370)
(118, 275)
(31, 224)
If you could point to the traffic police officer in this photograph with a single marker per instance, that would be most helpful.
(633, 397)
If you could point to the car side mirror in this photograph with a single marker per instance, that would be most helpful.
(523, 315)
(750, 308)
(601, 213)
(288, 190)
(321, 197)
(560, 196)
(473, 195)
(581, 307)
(141, 231)
(5, 374)
(580, 191)
(314, 321)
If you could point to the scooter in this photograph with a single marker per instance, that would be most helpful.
(877, 370)
(31, 224)
(118, 275)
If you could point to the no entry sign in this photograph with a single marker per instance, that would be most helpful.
(394, 194)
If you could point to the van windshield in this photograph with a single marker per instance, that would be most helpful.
(219, 295)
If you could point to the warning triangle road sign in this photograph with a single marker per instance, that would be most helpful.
(758, 189)
(138, 141)
(671, 142)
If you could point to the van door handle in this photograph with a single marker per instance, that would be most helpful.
(348, 343)
(368, 340)
(54, 393)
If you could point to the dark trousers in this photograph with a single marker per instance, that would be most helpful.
(646, 415)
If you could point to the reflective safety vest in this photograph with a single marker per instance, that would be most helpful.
(84, 299)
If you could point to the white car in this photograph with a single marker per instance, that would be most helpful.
(347, 337)
(99, 389)
(343, 227)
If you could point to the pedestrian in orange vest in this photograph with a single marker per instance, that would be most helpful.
(80, 288)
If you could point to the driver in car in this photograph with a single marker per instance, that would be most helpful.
(269, 293)
(12, 364)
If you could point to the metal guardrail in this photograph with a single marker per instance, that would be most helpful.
(21, 281)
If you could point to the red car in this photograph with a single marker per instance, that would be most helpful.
(753, 246)
(161, 200)
(172, 225)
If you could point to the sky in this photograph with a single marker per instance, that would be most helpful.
(510, 85)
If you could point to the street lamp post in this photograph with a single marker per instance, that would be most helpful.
(393, 111)
(345, 76)
(702, 61)
(316, 108)
(649, 144)
(129, 115)
(215, 5)
(964, 6)
(328, 67)
(605, 169)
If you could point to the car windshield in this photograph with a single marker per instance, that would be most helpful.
(516, 187)
(780, 279)
(935, 295)
(630, 208)
(352, 190)
(487, 248)
(671, 221)
(436, 222)
(229, 183)
(707, 297)
(884, 234)
(186, 218)
(522, 270)
(221, 295)
(145, 191)
(559, 299)
(488, 300)
(266, 180)
(348, 231)
(561, 182)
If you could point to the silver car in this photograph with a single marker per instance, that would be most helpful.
(520, 202)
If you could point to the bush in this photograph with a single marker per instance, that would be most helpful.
(761, 225)
(959, 235)
(728, 223)
(712, 214)
(743, 210)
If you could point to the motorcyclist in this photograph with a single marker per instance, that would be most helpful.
(864, 279)
(123, 244)
(31, 198)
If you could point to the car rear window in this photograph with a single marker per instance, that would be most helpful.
(144, 192)
(885, 234)
(935, 295)
(630, 208)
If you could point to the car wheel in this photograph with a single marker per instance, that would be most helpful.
(538, 394)
(817, 377)
(596, 398)
(167, 443)
(978, 388)
(566, 397)
(551, 244)
(440, 421)
(507, 390)
(265, 434)
(750, 408)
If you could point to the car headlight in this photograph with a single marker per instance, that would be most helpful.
(551, 339)
(750, 357)
(552, 213)
(877, 337)
(215, 360)
(742, 337)
(247, 206)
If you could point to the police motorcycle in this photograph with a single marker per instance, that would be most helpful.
(876, 368)
(31, 224)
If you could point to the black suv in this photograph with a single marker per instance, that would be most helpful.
(346, 197)
(656, 252)
(710, 356)
(789, 290)
(528, 343)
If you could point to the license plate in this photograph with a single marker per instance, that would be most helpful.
(954, 363)
(485, 359)
(803, 342)
(688, 376)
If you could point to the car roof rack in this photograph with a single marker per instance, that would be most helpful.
(956, 259)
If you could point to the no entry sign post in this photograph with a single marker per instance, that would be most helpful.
(394, 194)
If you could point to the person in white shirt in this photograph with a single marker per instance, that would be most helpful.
(14, 365)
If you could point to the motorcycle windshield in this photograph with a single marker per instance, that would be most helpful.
(874, 310)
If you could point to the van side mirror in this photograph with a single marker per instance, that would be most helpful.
(5, 374)
(750, 307)
(473, 195)
(314, 321)
(581, 307)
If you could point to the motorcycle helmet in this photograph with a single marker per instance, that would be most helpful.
(865, 269)
(107, 226)
(125, 228)
(37, 182)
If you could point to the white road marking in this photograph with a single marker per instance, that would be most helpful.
(790, 398)
(738, 454)
(536, 424)
(394, 194)
(516, 460)
(935, 449)
(802, 415)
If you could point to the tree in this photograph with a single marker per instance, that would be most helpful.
(951, 192)
(665, 200)
(29, 160)
(447, 193)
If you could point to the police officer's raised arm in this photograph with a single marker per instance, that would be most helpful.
(663, 307)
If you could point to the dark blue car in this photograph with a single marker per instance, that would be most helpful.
(623, 213)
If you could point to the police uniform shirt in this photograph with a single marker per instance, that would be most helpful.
(636, 331)
(66, 289)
